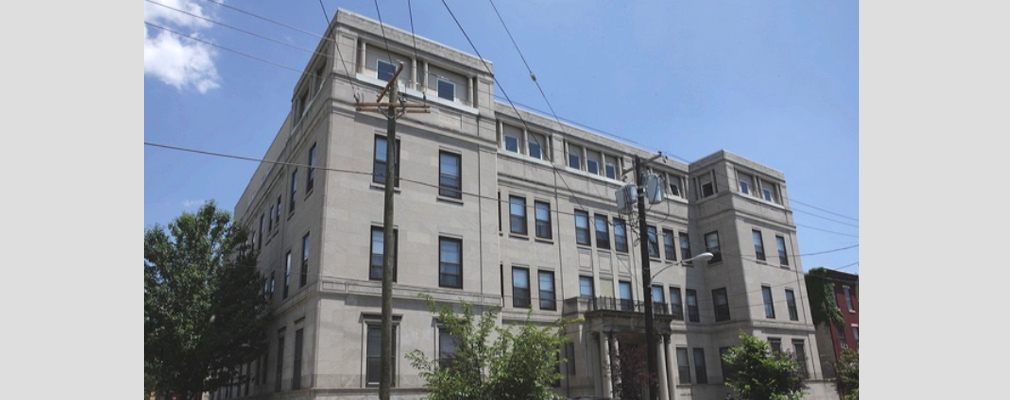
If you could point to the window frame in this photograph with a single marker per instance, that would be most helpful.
(585, 231)
(578, 156)
(438, 89)
(296, 365)
(602, 237)
(379, 70)
(683, 366)
(376, 162)
(583, 280)
(442, 275)
(518, 223)
(715, 250)
(626, 303)
(375, 271)
(693, 313)
(294, 191)
(521, 295)
(676, 307)
(372, 380)
(780, 242)
(685, 246)
(791, 305)
(306, 241)
(669, 246)
(534, 139)
(700, 367)
(759, 244)
(653, 241)
(542, 226)
(310, 177)
(849, 302)
(547, 297)
(769, 301)
(287, 274)
(721, 309)
(450, 184)
(620, 240)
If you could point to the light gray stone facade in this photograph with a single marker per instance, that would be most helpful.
(316, 242)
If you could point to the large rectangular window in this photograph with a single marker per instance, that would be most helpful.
(602, 232)
(547, 298)
(296, 370)
(759, 245)
(685, 246)
(377, 253)
(848, 298)
(537, 146)
(582, 228)
(669, 248)
(280, 363)
(586, 290)
(450, 182)
(542, 214)
(712, 246)
(625, 295)
(446, 348)
(766, 294)
(620, 235)
(692, 306)
(373, 356)
(593, 160)
(721, 302)
(520, 287)
(659, 300)
(653, 242)
(574, 156)
(310, 178)
(610, 167)
(305, 261)
(800, 352)
(683, 366)
(781, 243)
(676, 304)
(446, 90)
(791, 304)
(700, 372)
(380, 161)
(511, 137)
(294, 191)
(450, 264)
(517, 215)
(384, 70)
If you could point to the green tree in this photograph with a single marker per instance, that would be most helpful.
(847, 369)
(204, 311)
(521, 362)
(758, 373)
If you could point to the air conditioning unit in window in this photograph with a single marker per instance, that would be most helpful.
(627, 196)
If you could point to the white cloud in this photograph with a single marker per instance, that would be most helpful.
(192, 204)
(172, 59)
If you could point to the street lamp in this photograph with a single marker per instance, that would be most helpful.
(703, 257)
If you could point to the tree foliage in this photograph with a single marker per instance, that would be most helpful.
(758, 373)
(823, 307)
(847, 369)
(204, 311)
(520, 362)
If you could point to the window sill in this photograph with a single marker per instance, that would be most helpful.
(544, 241)
(381, 187)
(308, 193)
(451, 200)
(519, 236)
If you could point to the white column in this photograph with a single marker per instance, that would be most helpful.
(661, 360)
(672, 359)
(608, 387)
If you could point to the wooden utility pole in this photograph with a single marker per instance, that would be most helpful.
(392, 109)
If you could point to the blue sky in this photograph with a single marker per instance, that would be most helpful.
(773, 81)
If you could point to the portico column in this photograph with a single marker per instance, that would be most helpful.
(664, 387)
(672, 359)
(608, 386)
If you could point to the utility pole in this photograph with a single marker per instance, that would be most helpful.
(392, 109)
(643, 229)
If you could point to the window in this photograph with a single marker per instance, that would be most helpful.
(542, 214)
(272, 282)
(791, 304)
(769, 191)
(373, 356)
(280, 363)
(574, 156)
(593, 162)
(582, 228)
(511, 136)
(668, 247)
(776, 344)
(841, 337)
(727, 370)
(450, 183)
(766, 293)
(721, 302)
(259, 242)
(712, 246)
(446, 348)
(781, 243)
(517, 215)
(674, 182)
(692, 306)
(625, 292)
(537, 145)
(855, 334)
(620, 235)
(446, 90)
(610, 167)
(520, 287)
(450, 266)
(653, 242)
(707, 187)
(273, 216)
(287, 274)
(759, 245)
(305, 261)
(602, 232)
(699, 365)
(658, 300)
(294, 191)
(378, 251)
(547, 290)
(586, 287)
(848, 298)
(384, 70)
(685, 246)
(683, 366)
(801, 356)
(296, 373)
(746, 183)
(379, 164)
(279, 208)
(310, 178)
(676, 304)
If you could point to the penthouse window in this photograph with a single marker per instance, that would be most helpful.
(596, 162)
(746, 183)
(384, 70)
(537, 145)
(446, 90)
(521, 141)
(674, 184)
(574, 156)
(706, 184)
(769, 191)
(512, 137)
